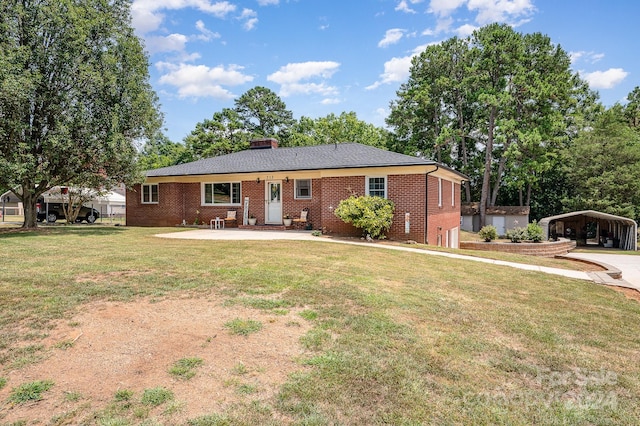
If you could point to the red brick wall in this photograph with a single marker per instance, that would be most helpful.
(445, 217)
(408, 194)
(178, 201)
(335, 189)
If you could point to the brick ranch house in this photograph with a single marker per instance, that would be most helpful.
(268, 182)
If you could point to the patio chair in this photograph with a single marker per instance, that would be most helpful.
(302, 220)
(231, 221)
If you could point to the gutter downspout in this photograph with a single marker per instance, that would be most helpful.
(426, 202)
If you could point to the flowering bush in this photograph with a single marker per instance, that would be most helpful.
(373, 215)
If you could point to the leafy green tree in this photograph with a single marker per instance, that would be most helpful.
(74, 96)
(603, 167)
(160, 151)
(496, 106)
(632, 109)
(223, 134)
(263, 113)
(336, 129)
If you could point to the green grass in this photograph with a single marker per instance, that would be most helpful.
(31, 391)
(395, 338)
(185, 368)
(243, 327)
(156, 396)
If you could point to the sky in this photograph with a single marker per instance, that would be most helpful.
(334, 56)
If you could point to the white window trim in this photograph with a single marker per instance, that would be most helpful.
(295, 190)
(142, 191)
(202, 194)
(439, 192)
(386, 184)
(453, 193)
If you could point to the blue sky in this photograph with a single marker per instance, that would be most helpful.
(330, 56)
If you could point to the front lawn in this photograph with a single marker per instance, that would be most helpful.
(394, 337)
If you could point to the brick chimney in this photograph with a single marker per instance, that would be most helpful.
(267, 143)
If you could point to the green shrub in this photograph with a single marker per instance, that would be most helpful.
(517, 234)
(488, 233)
(535, 232)
(373, 215)
(3, 382)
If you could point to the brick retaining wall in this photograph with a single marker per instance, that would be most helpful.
(548, 249)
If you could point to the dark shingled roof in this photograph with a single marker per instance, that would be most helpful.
(334, 156)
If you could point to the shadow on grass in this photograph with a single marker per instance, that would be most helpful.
(83, 230)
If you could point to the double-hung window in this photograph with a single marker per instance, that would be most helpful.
(377, 186)
(303, 188)
(150, 193)
(221, 193)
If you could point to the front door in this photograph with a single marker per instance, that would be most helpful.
(274, 202)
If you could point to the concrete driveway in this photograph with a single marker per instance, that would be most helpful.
(628, 264)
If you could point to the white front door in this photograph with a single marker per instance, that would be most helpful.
(274, 202)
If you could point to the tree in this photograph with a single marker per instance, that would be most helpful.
(160, 151)
(603, 167)
(74, 96)
(496, 106)
(223, 134)
(263, 113)
(335, 129)
(632, 109)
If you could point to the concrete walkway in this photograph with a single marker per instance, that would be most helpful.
(629, 265)
(250, 235)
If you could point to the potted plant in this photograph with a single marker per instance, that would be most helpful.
(252, 219)
(287, 219)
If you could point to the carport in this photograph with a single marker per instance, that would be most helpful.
(589, 227)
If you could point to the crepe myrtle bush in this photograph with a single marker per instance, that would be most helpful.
(488, 233)
(373, 215)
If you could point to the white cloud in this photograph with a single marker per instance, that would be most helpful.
(512, 12)
(605, 79)
(398, 69)
(395, 70)
(198, 81)
(490, 11)
(403, 6)
(205, 33)
(445, 7)
(170, 43)
(250, 17)
(591, 57)
(291, 77)
(330, 101)
(146, 14)
(392, 36)
(465, 30)
(268, 2)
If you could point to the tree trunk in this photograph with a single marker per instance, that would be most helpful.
(29, 200)
(520, 196)
(528, 196)
(496, 188)
(463, 149)
(488, 159)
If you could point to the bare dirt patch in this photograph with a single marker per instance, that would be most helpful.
(111, 346)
